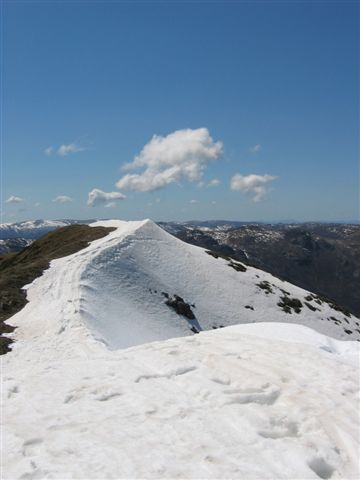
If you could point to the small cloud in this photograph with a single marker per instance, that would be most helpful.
(97, 197)
(62, 199)
(65, 150)
(181, 155)
(214, 182)
(252, 184)
(110, 205)
(201, 184)
(213, 202)
(255, 149)
(14, 199)
(49, 151)
(37, 204)
(157, 200)
(194, 201)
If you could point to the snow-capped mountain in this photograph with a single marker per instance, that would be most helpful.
(30, 229)
(322, 258)
(13, 245)
(16, 236)
(272, 397)
(140, 284)
(33, 229)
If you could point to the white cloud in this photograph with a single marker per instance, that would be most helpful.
(49, 151)
(37, 204)
(213, 202)
(98, 197)
(194, 201)
(181, 155)
(214, 182)
(62, 199)
(14, 199)
(110, 205)
(256, 148)
(64, 150)
(255, 185)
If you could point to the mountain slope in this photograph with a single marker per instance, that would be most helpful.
(256, 401)
(323, 258)
(121, 287)
(19, 269)
(320, 257)
(16, 236)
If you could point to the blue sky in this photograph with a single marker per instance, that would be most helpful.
(262, 97)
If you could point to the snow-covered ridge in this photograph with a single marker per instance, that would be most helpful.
(255, 401)
(120, 285)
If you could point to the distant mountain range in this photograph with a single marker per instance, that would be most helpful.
(34, 229)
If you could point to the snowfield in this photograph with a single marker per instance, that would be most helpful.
(252, 401)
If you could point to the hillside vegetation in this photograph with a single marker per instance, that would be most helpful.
(17, 270)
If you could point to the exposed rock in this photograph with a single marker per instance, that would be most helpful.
(181, 307)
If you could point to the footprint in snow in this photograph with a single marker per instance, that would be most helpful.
(266, 395)
(173, 373)
(36, 474)
(280, 429)
(220, 379)
(322, 469)
(31, 446)
(13, 391)
(108, 396)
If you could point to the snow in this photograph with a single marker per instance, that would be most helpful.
(33, 229)
(121, 278)
(230, 403)
(252, 401)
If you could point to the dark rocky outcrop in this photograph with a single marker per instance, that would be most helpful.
(290, 304)
(180, 307)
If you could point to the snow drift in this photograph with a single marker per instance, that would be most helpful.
(231, 403)
(260, 401)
